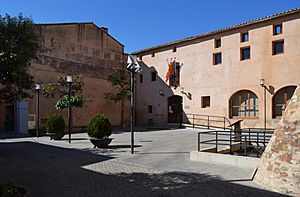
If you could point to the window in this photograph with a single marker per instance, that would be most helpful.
(140, 57)
(245, 53)
(174, 49)
(217, 58)
(278, 47)
(149, 109)
(277, 29)
(217, 43)
(243, 103)
(245, 37)
(280, 100)
(141, 78)
(153, 75)
(205, 101)
(153, 54)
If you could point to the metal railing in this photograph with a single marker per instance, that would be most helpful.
(208, 121)
(247, 142)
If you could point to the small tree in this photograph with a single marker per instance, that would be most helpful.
(60, 89)
(19, 44)
(122, 91)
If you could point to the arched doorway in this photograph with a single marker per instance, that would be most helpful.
(174, 108)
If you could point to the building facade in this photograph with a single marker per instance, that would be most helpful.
(219, 73)
(73, 49)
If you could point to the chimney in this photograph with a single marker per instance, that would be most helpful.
(105, 29)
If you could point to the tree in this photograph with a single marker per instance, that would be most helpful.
(60, 89)
(19, 44)
(121, 93)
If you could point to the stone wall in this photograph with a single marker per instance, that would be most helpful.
(79, 48)
(279, 167)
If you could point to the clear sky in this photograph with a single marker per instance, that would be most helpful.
(141, 24)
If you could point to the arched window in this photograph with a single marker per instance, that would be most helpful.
(243, 103)
(280, 100)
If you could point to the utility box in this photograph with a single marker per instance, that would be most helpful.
(22, 117)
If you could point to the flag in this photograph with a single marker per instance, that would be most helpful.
(170, 70)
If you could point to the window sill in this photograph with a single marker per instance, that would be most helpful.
(278, 54)
(244, 117)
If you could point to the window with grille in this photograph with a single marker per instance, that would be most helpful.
(243, 104)
(280, 100)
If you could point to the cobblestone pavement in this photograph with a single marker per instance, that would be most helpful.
(57, 168)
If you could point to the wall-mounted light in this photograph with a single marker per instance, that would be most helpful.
(182, 90)
(262, 82)
(161, 93)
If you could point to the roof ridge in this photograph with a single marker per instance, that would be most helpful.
(65, 23)
(261, 19)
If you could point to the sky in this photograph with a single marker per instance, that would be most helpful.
(139, 24)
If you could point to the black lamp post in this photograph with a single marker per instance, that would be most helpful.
(134, 67)
(37, 88)
(262, 83)
(69, 81)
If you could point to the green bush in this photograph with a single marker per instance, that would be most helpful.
(75, 101)
(99, 127)
(55, 124)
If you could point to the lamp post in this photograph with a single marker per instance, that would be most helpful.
(134, 67)
(37, 88)
(262, 83)
(69, 81)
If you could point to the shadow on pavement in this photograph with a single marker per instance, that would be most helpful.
(45, 170)
(122, 146)
(159, 153)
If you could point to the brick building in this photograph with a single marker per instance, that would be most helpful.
(219, 73)
(72, 49)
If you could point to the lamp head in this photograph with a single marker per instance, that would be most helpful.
(37, 86)
(182, 90)
(262, 82)
(69, 79)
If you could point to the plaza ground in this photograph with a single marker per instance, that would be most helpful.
(159, 167)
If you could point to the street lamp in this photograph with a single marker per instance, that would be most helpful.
(262, 83)
(134, 67)
(37, 127)
(69, 81)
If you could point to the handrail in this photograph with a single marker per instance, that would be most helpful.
(208, 119)
(251, 138)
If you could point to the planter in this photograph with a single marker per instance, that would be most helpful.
(55, 136)
(101, 143)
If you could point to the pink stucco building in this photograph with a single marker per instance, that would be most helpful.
(219, 73)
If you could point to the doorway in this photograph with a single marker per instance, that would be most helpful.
(9, 118)
(174, 108)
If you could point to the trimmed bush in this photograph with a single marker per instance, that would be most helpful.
(55, 124)
(99, 127)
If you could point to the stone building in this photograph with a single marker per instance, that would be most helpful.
(73, 49)
(219, 73)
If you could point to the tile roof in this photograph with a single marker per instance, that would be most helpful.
(266, 18)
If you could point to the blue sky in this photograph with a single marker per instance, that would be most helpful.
(141, 24)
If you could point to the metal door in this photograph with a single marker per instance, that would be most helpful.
(174, 108)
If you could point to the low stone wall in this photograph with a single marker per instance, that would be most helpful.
(233, 160)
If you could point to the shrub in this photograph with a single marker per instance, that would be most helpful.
(55, 124)
(75, 101)
(99, 127)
